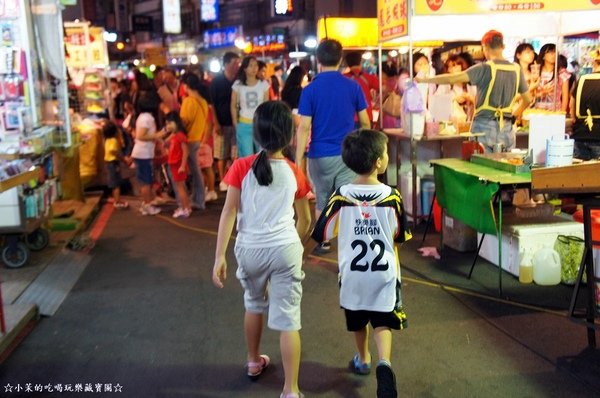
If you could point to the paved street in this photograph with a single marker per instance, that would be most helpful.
(144, 320)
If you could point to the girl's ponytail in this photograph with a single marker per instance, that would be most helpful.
(262, 169)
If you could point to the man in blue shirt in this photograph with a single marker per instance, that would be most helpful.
(327, 109)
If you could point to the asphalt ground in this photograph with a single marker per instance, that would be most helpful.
(145, 321)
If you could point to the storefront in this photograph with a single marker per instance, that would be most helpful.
(34, 124)
(459, 184)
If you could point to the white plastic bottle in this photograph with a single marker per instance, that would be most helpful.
(546, 267)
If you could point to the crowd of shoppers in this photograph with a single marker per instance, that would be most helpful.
(273, 139)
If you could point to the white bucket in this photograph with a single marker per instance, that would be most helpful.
(559, 152)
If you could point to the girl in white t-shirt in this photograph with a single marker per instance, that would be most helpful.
(264, 189)
(143, 151)
(248, 92)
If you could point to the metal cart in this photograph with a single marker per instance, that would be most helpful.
(18, 234)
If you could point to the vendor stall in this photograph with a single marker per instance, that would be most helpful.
(514, 19)
(88, 67)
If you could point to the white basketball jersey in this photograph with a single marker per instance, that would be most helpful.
(367, 219)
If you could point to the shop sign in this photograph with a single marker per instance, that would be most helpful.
(182, 47)
(209, 10)
(439, 7)
(155, 56)
(221, 37)
(142, 23)
(265, 43)
(171, 16)
(392, 19)
(85, 46)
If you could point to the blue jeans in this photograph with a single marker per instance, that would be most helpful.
(586, 150)
(245, 142)
(197, 194)
(493, 135)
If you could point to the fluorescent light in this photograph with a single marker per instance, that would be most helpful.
(393, 53)
(194, 59)
(367, 55)
(298, 54)
(310, 42)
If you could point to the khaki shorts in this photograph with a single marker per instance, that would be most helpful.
(223, 144)
(272, 280)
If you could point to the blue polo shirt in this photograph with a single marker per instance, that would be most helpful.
(331, 100)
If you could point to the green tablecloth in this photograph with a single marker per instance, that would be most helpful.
(466, 191)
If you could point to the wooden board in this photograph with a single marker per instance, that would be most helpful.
(20, 179)
(577, 178)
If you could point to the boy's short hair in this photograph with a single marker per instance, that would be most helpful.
(329, 52)
(353, 58)
(493, 39)
(361, 149)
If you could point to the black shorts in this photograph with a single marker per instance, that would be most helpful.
(395, 319)
(357, 320)
(114, 174)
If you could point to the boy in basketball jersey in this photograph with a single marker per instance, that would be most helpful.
(368, 218)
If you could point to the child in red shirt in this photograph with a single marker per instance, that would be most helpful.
(178, 154)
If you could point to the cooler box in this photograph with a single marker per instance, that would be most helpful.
(10, 212)
(526, 236)
(407, 194)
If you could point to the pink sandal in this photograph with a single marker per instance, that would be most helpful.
(262, 365)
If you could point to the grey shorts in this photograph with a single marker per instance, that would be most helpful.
(328, 174)
(224, 143)
(272, 280)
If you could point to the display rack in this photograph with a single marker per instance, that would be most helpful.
(87, 62)
(19, 83)
(94, 88)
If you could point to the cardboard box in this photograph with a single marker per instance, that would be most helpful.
(523, 237)
(458, 235)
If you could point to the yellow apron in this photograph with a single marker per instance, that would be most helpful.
(588, 117)
(499, 112)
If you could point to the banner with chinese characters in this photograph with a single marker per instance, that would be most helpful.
(439, 7)
(85, 46)
(392, 19)
(171, 10)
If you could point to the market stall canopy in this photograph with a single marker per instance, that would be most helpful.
(512, 25)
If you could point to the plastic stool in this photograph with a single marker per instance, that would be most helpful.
(578, 216)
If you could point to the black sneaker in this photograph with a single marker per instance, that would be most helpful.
(386, 381)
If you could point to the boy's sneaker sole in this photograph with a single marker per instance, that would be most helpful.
(386, 381)
(359, 368)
